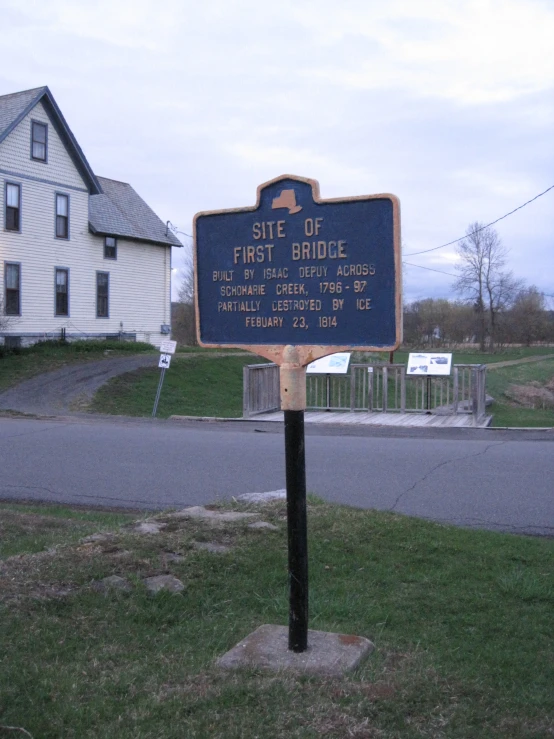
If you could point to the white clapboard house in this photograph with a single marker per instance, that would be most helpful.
(81, 256)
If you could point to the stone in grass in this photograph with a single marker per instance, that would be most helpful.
(163, 582)
(263, 525)
(174, 557)
(263, 497)
(205, 513)
(95, 537)
(149, 527)
(211, 546)
(113, 582)
(328, 654)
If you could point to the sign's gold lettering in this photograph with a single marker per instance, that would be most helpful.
(363, 303)
(299, 322)
(285, 305)
(263, 322)
(319, 250)
(271, 273)
(223, 276)
(239, 291)
(240, 306)
(312, 226)
(355, 270)
(338, 304)
(252, 254)
(268, 230)
(290, 288)
(312, 271)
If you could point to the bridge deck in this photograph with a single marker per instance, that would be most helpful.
(381, 419)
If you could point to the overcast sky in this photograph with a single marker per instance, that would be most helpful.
(448, 104)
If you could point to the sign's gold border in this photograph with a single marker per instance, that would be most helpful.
(308, 353)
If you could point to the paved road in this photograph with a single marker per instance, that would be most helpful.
(471, 477)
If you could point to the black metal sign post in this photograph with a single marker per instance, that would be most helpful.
(293, 279)
(297, 530)
(293, 402)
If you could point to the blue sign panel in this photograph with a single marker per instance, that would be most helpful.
(299, 270)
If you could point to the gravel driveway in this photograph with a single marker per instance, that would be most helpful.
(69, 389)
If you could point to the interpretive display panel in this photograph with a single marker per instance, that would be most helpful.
(429, 363)
(332, 364)
(298, 270)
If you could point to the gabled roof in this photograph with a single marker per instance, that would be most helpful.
(119, 211)
(14, 107)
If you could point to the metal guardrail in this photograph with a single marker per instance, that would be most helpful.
(378, 388)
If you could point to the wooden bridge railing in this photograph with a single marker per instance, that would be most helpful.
(385, 388)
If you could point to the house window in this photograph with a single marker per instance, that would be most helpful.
(62, 292)
(12, 289)
(13, 207)
(110, 248)
(39, 132)
(62, 216)
(102, 294)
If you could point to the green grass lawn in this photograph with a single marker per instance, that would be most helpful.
(461, 621)
(193, 386)
(208, 385)
(207, 382)
(507, 413)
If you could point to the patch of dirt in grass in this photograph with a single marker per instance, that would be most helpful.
(532, 394)
(68, 567)
(18, 523)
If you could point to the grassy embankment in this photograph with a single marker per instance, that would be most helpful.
(210, 386)
(21, 364)
(461, 620)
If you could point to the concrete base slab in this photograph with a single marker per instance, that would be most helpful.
(327, 654)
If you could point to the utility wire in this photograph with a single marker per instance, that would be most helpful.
(425, 251)
(409, 264)
(441, 272)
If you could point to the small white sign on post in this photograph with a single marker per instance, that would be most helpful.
(168, 347)
(165, 361)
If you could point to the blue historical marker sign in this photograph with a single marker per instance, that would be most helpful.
(299, 270)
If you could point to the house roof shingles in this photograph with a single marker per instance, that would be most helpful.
(14, 107)
(115, 209)
(119, 211)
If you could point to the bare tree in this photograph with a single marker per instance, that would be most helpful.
(184, 319)
(438, 322)
(528, 317)
(482, 278)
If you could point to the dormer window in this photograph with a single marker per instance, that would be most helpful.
(39, 137)
(110, 248)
